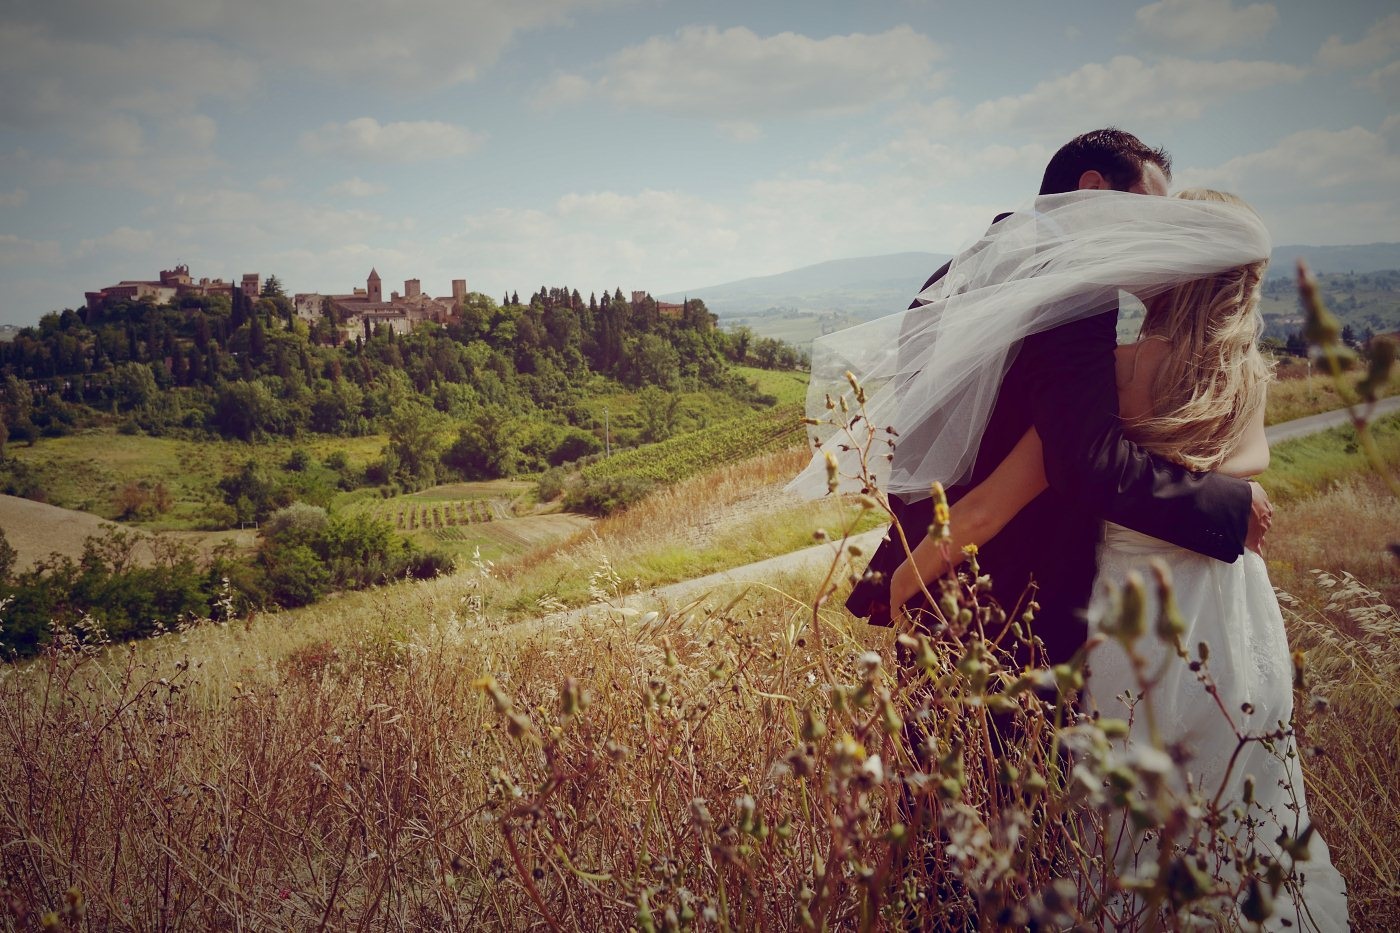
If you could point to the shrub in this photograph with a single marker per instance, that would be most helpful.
(605, 494)
(297, 523)
(297, 460)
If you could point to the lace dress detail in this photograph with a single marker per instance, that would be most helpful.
(1233, 610)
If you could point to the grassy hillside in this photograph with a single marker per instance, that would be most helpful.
(87, 471)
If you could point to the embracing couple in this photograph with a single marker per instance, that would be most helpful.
(1068, 458)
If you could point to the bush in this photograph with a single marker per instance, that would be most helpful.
(295, 575)
(298, 523)
(425, 565)
(605, 495)
(298, 460)
(551, 483)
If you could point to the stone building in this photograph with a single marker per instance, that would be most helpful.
(668, 308)
(364, 309)
(172, 284)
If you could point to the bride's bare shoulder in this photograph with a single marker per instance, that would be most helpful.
(1138, 361)
(1136, 364)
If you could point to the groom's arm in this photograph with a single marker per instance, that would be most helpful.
(1075, 408)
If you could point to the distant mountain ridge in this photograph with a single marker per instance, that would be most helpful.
(854, 286)
(869, 285)
(1369, 257)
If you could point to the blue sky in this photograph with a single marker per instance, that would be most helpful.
(641, 143)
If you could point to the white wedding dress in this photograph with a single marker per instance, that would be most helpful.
(1232, 609)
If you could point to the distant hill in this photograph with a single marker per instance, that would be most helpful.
(1371, 257)
(800, 304)
(862, 287)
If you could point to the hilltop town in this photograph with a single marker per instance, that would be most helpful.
(358, 311)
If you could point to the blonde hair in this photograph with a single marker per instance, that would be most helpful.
(1213, 379)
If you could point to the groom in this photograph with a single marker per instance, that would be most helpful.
(1063, 382)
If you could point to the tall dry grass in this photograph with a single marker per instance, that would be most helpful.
(728, 766)
(404, 760)
(1340, 588)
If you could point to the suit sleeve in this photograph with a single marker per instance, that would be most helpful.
(1088, 460)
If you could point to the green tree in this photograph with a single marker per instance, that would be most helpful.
(415, 439)
(487, 447)
(134, 386)
(8, 556)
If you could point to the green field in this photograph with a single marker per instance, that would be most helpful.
(1307, 465)
(786, 385)
(680, 457)
(463, 519)
(86, 471)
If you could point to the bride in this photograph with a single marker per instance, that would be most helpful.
(1191, 389)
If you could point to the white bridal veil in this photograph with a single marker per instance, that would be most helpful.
(938, 367)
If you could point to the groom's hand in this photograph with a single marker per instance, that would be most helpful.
(1261, 516)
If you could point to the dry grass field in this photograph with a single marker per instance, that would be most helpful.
(408, 758)
(36, 531)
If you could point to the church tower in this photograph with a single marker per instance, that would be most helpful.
(373, 290)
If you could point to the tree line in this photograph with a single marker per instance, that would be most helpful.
(512, 374)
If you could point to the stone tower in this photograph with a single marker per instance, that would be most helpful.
(459, 290)
(412, 288)
(373, 291)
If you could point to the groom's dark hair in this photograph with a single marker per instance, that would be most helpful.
(1114, 154)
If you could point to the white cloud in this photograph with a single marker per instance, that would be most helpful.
(356, 188)
(1380, 42)
(1202, 26)
(735, 75)
(1318, 186)
(428, 44)
(243, 214)
(151, 172)
(113, 135)
(409, 141)
(668, 241)
(741, 131)
(52, 78)
(1311, 160)
(15, 198)
(15, 250)
(193, 131)
(1385, 81)
(1125, 90)
(120, 240)
(564, 90)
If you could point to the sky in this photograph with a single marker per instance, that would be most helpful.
(643, 144)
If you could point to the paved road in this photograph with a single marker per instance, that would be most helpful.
(814, 559)
(1301, 427)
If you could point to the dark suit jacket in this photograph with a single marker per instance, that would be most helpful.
(1063, 382)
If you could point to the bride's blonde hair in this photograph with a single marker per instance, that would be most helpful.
(1213, 379)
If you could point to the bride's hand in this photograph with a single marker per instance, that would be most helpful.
(1261, 517)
